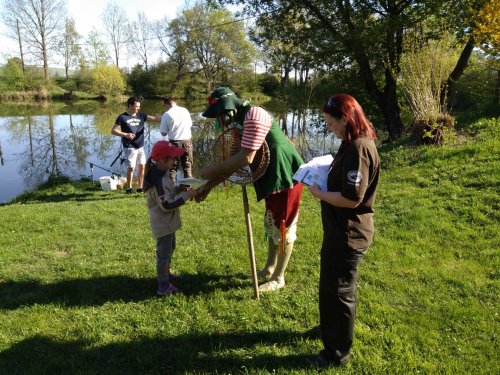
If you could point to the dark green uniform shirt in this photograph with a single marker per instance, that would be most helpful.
(354, 173)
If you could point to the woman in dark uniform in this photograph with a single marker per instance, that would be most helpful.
(347, 217)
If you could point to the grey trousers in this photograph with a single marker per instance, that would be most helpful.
(165, 247)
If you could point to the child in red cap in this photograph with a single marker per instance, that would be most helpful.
(163, 200)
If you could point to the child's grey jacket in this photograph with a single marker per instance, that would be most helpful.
(163, 204)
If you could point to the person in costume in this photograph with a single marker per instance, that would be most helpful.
(163, 200)
(347, 217)
(282, 195)
(130, 127)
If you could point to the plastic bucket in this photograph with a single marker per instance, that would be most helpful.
(108, 183)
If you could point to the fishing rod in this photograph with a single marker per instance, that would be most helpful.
(122, 160)
(92, 165)
(127, 143)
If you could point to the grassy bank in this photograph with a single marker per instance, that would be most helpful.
(77, 278)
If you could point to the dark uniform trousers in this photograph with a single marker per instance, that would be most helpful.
(337, 299)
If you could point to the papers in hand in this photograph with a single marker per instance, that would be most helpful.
(315, 171)
(191, 181)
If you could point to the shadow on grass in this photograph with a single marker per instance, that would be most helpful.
(99, 290)
(199, 353)
(92, 194)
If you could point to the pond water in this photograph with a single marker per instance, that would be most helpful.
(75, 139)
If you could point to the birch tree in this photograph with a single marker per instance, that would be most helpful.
(40, 24)
(69, 46)
(116, 28)
(141, 38)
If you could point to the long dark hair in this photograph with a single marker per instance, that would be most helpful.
(358, 125)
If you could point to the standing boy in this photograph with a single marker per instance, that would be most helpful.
(130, 126)
(163, 200)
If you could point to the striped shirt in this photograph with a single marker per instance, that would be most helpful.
(255, 128)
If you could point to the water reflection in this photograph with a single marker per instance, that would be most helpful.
(70, 138)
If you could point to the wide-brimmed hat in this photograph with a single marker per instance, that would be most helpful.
(162, 149)
(222, 99)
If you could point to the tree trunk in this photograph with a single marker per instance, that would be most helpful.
(45, 59)
(20, 44)
(386, 100)
(457, 72)
(388, 104)
(286, 77)
(496, 97)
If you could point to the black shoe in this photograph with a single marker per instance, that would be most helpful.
(139, 190)
(320, 360)
(129, 191)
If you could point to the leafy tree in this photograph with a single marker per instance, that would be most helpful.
(218, 43)
(141, 81)
(116, 28)
(69, 46)
(172, 42)
(13, 75)
(370, 35)
(474, 95)
(107, 80)
(487, 31)
(269, 84)
(278, 41)
(96, 52)
(40, 23)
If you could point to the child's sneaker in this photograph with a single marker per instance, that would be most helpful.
(166, 289)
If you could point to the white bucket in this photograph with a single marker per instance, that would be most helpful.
(108, 183)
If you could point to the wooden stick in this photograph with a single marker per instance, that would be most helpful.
(250, 242)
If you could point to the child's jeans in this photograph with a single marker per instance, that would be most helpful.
(165, 247)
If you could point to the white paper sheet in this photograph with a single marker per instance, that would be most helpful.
(315, 171)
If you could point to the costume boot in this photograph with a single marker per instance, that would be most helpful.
(277, 280)
(272, 257)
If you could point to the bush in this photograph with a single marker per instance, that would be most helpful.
(436, 130)
(12, 76)
(107, 80)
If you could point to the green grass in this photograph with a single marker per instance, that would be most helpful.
(77, 282)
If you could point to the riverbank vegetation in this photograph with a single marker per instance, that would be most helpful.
(77, 284)
(290, 51)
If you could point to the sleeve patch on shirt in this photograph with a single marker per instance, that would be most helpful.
(354, 177)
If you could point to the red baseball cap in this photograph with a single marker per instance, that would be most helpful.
(162, 149)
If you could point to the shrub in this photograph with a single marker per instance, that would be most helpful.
(107, 80)
(424, 72)
(436, 130)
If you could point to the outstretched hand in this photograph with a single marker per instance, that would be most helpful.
(191, 193)
(202, 193)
